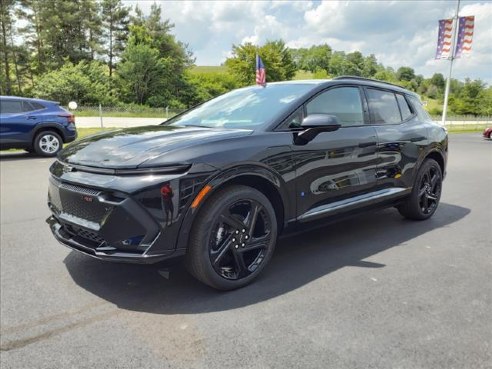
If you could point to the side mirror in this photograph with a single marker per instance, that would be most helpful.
(315, 124)
(323, 122)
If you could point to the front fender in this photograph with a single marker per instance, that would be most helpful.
(225, 176)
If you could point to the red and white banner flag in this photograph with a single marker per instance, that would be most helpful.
(445, 38)
(465, 36)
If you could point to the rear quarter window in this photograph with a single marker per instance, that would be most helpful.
(37, 106)
(383, 107)
(404, 108)
(419, 109)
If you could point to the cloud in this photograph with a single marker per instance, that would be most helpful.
(396, 32)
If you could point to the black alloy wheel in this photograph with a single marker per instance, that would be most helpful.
(426, 193)
(233, 239)
(430, 190)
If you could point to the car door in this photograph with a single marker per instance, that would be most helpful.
(15, 121)
(402, 135)
(339, 165)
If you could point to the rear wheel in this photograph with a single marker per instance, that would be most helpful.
(426, 192)
(233, 238)
(47, 143)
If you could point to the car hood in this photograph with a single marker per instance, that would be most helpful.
(132, 147)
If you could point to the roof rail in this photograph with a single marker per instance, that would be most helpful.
(367, 79)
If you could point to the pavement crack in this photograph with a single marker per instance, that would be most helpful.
(16, 344)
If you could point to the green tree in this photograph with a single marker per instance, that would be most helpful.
(84, 82)
(315, 58)
(275, 55)
(162, 49)
(115, 21)
(157, 33)
(467, 100)
(405, 74)
(141, 73)
(355, 63)
(61, 29)
(29, 10)
(438, 80)
(386, 74)
(203, 86)
(338, 64)
(370, 66)
(485, 102)
(6, 9)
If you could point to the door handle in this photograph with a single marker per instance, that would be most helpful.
(31, 117)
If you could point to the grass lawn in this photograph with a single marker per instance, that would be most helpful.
(84, 132)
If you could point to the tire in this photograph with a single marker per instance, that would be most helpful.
(426, 193)
(232, 239)
(48, 143)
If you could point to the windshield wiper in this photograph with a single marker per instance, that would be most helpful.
(195, 125)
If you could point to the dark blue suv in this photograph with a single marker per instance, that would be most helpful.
(35, 125)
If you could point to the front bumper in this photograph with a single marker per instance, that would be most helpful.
(108, 253)
(107, 225)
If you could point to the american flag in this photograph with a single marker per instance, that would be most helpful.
(260, 72)
(465, 36)
(444, 39)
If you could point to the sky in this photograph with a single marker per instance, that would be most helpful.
(396, 32)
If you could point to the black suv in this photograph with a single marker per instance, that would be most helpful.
(219, 182)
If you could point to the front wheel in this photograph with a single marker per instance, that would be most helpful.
(47, 143)
(426, 193)
(233, 238)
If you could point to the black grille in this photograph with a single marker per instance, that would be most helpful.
(78, 201)
(84, 190)
(92, 211)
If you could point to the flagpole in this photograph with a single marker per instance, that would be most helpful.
(448, 82)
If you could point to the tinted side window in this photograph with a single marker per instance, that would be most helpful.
(404, 108)
(26, 106)
(9, 107)
(343, 102)
(383, 107)
(421, 113)
(37, 106)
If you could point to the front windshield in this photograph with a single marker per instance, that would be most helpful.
(247, 107)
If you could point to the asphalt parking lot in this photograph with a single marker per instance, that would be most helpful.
(374, 291)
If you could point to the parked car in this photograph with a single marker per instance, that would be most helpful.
(35, 125)
(487, 133)
(219, 182)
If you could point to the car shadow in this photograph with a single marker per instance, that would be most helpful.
(166, 288)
